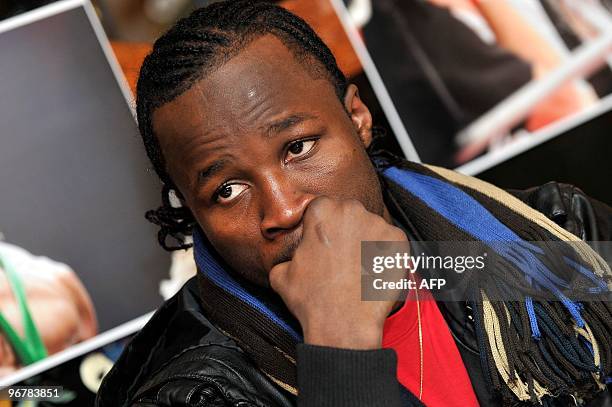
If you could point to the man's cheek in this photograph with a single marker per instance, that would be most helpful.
(335, 177)
(240, 255)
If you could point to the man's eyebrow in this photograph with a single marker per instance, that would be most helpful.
(287, 122)
(207, 173)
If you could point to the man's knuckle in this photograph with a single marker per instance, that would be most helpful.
(397, 233)
(353, 205)
(319, 206)
(275, 279)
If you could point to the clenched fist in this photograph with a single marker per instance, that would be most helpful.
(321, 285)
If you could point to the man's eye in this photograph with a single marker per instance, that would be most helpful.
(228, 192)
(299, 148)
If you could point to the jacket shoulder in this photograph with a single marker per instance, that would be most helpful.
(570, 208)
(208, 375)
(180, 358)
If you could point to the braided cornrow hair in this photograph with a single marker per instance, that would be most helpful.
(195, 46)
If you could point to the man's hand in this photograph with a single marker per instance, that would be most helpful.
(321, 285)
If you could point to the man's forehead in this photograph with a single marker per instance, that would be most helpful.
(263, 79)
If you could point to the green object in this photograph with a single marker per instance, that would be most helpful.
(30, 348)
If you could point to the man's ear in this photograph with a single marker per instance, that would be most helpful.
(359, 114)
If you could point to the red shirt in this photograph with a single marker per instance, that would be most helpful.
(445, 380)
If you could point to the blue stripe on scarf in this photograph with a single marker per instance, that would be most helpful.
(470, 216)
(213, 270)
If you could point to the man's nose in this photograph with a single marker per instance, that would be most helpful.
(282, 206)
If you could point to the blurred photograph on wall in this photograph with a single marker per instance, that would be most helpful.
(470, 77)
(77, 256)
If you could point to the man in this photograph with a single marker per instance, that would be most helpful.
(252, 127)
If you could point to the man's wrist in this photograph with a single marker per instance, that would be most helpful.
(358, 338)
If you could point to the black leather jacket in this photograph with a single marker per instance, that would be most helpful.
(181, 359)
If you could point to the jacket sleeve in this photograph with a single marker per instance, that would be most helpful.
(342, 377)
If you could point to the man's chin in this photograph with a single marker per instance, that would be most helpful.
(259, 279)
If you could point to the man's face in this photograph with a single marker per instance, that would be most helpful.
(254, 142)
